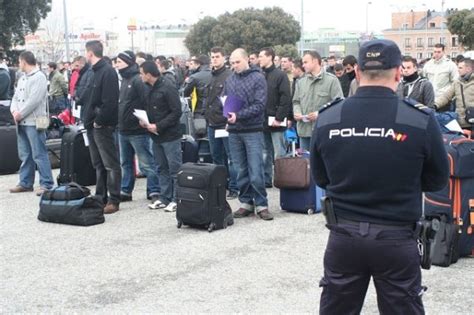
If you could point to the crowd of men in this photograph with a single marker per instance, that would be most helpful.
(278, 93)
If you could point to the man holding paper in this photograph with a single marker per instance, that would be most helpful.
(133, 139)
(246, 91)
(277, 110)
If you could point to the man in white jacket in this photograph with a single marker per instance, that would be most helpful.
(440, 70)
(29, 103)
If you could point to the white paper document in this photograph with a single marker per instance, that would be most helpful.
(271, 119)
(86, 139)
(453, 125)
(76, 112)
(221, 133)
(141, 115)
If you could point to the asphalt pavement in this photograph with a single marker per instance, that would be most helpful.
(139, 262)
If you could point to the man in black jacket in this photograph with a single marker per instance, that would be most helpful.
(413, 86)
(216, 121)
(199, 81)
(346, 79)
(100, 120)
(277, 111)
(164, 111)
(82, 91)
(133, 139)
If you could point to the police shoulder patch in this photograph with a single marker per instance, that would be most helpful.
(421, 107)
(337, 100)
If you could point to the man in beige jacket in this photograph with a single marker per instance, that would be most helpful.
(440, 70)
(462, 90)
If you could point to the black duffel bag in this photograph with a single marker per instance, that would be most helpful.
(71, 204)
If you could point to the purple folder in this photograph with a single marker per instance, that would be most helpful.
(232, 104)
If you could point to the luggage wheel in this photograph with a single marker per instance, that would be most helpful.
(211, 227)
(310, 211)
(179, 224)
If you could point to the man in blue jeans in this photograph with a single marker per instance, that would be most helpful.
(248, 89)
(214, 115)
(29, 103)
(164, 111)
(133, 139)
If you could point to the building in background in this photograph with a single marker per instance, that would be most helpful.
(167, 40)
(416, 33)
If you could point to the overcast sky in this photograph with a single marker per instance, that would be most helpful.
(342, 15)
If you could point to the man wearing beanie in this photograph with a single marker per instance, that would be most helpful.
(133, 139)
(375, 154)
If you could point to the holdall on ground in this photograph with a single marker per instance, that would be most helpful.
(201, 196)
(84, 211)
(454, 201)
(75, 161)
(54, 152)
(204, 151)
(9, 160)
(190, 149)
(445, 245)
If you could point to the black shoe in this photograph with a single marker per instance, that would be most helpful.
(268, 185)
(265, 215)
(242, 213)
(232, 195)
(125, 198)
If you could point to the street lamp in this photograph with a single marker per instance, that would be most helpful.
(66, 33)
(367, 17)
(302, 28)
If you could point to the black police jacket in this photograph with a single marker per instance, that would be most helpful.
(102, 107)
(214, 106)
(132, 96)
(375, 154)
(164, 109)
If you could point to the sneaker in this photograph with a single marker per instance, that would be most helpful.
(232, 195)
(125, 197)
(171, 207)
(153, 198)
(111, 208)
(242, 213)
(268, 185)
(20, 189)
(40, 191)
(157, 204)
(265, 215)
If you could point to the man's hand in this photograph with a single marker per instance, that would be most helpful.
(16, 116)
(289, 123)
(313, 116)
(298, 117)
(152, 128)
(143, 124)
(232, 118)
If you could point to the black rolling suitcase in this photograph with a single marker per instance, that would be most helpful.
(201, 197)
(9, 161)
(75, 160)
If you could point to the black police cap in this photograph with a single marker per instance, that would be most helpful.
(379, 54)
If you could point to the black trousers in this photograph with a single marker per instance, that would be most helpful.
(105, 159)
(355, 253)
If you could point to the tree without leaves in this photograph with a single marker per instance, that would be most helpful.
(249, 28)
(19, 17)
(461, 24)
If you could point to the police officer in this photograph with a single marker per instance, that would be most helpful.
(375, 154)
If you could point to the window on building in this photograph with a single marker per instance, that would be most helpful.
(407, 42)
(419, 56)
(432, 24)
(430, 55)
(405, 26)
(430, 42)
(442, 40)
(419, 42)
(454, 42)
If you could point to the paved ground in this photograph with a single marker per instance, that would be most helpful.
(139, 262)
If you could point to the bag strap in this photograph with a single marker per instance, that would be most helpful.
(462, 96)
(83, 189)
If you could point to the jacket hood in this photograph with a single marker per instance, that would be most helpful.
(248, 71)
(129, 71)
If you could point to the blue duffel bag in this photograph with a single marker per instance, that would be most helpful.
(71, 204)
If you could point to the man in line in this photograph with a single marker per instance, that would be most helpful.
(314, 90)
(413, 86)
(133, 139)
(164, 111)
(220, 150)
(462, 90)
(440, 70)
(253, 60)
(245, 127)
(29, 103)
(349, 63)
(57, 89)
(100, 120)
(278, 108)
